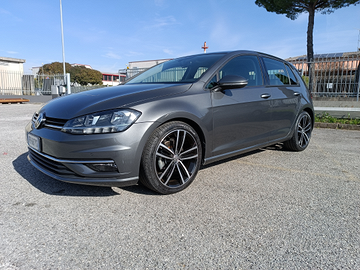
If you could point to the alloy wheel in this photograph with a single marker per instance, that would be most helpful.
(304, 130)
(176, 158)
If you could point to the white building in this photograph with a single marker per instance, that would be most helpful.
(11, 64)
(145, 64)
(11, 74)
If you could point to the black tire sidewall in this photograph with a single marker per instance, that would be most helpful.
(296, 135)
(149, 177)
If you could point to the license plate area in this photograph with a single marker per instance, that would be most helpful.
(34, 142)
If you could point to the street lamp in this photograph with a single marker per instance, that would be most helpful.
(66, 80)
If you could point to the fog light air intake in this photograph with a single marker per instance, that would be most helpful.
(103, 167)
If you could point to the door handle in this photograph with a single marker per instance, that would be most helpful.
(265, 96)
(296, 94)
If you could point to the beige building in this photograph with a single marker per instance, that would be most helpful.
(145, 64)
(11, 64)
(11, 74)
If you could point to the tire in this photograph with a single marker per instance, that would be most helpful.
(302, 133)
(171, 158)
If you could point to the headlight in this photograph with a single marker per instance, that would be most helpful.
(102, 122)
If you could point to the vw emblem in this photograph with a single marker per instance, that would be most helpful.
(40, 120)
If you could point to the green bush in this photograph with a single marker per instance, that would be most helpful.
(327, 118)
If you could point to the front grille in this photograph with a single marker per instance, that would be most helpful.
(52, 123)
(50, 165)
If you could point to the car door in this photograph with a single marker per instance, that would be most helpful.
(285, 97)
(241, 117)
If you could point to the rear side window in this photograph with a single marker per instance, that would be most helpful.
(291, 74)
(278, 72)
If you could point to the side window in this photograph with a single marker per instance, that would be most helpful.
(276, 71)
(212, 83)
(246, 66)
(292, 77)
(200, 72)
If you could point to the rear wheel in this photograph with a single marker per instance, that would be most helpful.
(301, 138)
(171, 158)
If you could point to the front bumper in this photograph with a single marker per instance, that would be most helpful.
(66, 157)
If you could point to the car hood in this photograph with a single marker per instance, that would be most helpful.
(102, 99)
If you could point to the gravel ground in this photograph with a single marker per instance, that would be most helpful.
(269, 209)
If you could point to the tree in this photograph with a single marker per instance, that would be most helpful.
(78, 74)
(292, 8)
(85, 76)
(54, 68)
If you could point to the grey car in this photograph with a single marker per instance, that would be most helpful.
(162, 125)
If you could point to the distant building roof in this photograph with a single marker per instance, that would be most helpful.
(14, 60)
(146, 63)
(325, 55)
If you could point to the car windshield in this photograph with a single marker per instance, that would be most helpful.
(183, 70)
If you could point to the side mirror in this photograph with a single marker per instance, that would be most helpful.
(231, 82)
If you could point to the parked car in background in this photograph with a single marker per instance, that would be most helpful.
(162, 125)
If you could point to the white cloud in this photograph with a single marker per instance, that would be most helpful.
(133, 53)
(302, 18)
(168, 51)
(114, 68)
(222, 33)
(9, 14)
(162, 22)
(4, 11)
(112, 55)
(12, 52)
(159, 3)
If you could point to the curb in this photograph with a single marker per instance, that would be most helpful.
(336, 126)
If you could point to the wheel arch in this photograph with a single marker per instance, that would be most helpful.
(311, 113)
(198, 130)
(196, 126)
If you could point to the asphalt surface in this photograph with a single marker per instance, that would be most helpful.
(270, 209)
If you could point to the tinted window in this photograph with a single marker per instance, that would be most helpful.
(246, 66)
(186, 69)
(292, 77)
(276, 71)
(212, 83)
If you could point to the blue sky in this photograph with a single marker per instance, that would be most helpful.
(108, 34)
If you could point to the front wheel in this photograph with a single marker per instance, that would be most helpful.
(171, 158)
(302, 133)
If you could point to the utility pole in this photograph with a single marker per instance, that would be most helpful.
(62, 41)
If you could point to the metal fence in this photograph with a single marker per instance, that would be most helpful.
(331, 76)
(44, 83)
(11, 83)
(17, 83)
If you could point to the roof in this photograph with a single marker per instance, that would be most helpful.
(14, 60)
(326, 55)
(163, 60)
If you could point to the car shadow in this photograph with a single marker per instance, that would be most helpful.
(51, 186)
(232, 158)
(275, 147)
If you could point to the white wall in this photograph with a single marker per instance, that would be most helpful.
(11, 64)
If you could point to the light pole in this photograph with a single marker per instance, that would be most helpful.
(62, 41)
